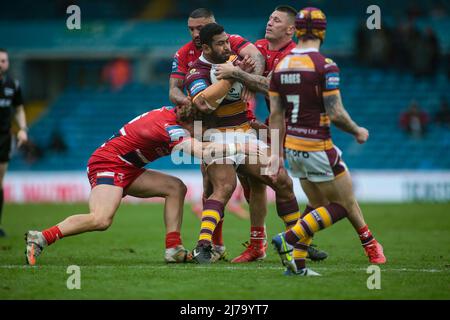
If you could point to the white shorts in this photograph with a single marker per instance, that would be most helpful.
(316, 166)
(237, 136)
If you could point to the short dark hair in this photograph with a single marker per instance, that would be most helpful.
(201, 13)
(209, 31)
(289, 10)
(3, 50)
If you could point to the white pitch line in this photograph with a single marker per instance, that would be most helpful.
(216, 267)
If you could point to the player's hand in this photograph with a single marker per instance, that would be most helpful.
(225, 71)
(362, 135)
(187, 101)
(22, 137)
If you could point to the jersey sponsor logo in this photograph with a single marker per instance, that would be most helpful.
(8, 92)
(332, 80)
(197, 86)
(175, 133)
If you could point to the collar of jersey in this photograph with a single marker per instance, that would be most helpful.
(203, 59)
(305, 50)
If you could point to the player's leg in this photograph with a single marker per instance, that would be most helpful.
(103, 203)
(223, 180)
(197, 208)
(303, 165)
(157, 184)
(3, 168)
(342, 192)
(256, 248)
(241, 192)
(5, 152)
(315, 200)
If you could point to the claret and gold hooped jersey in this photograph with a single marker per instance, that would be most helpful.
(301, 80)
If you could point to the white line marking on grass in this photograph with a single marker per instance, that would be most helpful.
(217, 267)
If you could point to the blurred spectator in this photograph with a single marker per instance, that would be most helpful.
(362, 35)
(117, 73)
(31, 152)
(57, 143)
(414, 10)
(414, 120)
(379, 47)
(425, 54)
(442, 116)
(438, 10)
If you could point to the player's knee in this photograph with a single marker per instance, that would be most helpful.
(177, 188)
(101, 223)
(284, 184)
(225, 190)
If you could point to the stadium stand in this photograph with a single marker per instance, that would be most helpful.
(374, 98)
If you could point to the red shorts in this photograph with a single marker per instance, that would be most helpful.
(101, 170)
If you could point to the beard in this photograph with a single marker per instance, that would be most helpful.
(220, 58)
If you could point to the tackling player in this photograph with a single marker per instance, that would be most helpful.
(115, 169)
(304, 100)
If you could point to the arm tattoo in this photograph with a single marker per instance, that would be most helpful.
(338, 115)
(253, 81)
(260, 63)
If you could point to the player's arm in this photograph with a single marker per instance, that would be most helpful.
(209, 99)
(277, 120)
(176, 81)
(205, 149)
(254, 82)
(21, 120)
(252, 51)
(340, 117)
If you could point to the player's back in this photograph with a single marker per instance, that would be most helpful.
(301, 80)
(146, 138)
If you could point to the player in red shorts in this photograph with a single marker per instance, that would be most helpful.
(115, 169)
(304, 100)
(277, 43)
(182, 62)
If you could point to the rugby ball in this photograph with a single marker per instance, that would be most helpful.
(235, 92)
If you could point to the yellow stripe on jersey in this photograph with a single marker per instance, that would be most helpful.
(243, 127)
(329, 93)
(231, 109)
(299, 144)
(293, 63)
(324, 120)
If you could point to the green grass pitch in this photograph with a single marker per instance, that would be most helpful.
(126, 261)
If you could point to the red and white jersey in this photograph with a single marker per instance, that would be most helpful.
(187, 54)
(144, 139)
